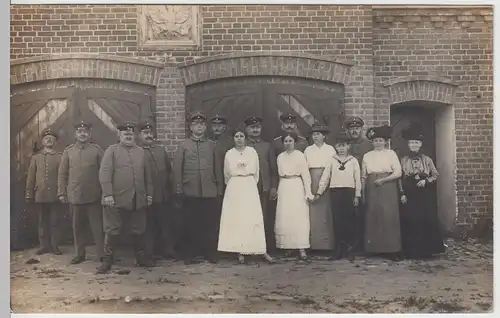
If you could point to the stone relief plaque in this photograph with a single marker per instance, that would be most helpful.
(168, 26)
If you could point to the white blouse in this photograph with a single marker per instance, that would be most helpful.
(350, 177)
(319, 157)
(380, 161)
(295, 164)
(241, 163)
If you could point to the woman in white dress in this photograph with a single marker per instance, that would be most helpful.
(319, 155)
(292, 226)
(242, 222)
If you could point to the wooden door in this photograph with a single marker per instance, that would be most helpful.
(402, 118)
(32, 112)
(105, 108)
(310, 105)
(268, 98)
(233, 102)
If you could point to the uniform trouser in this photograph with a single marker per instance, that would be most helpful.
(116, 220)
(87, 215)
(268, 220)
(162, 229)
(200, 226)
(48, 224)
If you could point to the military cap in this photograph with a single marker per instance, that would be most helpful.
(379, 132)
(354, 122)
(130, 126)
(413, 133)
(49, 132)
(252, 121)
(319, 128)
(342, 137)
(217, 119)
(288, 118)
(146, 125)
(198, 115)
(83, 124)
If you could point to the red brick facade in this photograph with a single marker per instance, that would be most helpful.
(442, 55)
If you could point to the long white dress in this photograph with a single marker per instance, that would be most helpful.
(242, 223)
(292, 225)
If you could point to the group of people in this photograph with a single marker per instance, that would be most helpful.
(237, 193)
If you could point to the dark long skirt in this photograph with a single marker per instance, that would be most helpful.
(344, 216)
(320, 216)
(382, 227)
(420, 231)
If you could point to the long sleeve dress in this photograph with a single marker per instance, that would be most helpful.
(242, 224)
(382, 227)
(320, 214)
(292, 227)
(420, 230)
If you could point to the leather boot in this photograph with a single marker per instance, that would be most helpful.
(141, 257)
(107, 259)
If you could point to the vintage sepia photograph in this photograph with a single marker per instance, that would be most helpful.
(251, 158)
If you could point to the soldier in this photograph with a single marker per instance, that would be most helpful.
(268, 181)
(78, 185)
(41, 188)
(288, 125)
(222, 144)
(127, 190)
(359, 147)
(359, 144)
(199, 180)
(161, 230)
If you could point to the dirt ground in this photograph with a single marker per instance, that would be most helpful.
(459, 281)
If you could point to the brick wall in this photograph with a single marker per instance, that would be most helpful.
(456, 44)
(383, 44)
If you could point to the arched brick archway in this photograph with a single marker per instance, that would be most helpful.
(429, 100)
(267, 84)
(266, 64)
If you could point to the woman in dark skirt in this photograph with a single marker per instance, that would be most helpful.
(421, 235)
(380, 172)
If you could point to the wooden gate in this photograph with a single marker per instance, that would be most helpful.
(60, 108)
(268, 98)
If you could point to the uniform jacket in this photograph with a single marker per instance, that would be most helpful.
(222, 145)
(125, 174)
(41, 184)
(300, 145)
(78, 177)
(359, 148)
(267, 164)
(196, 173)
(161, 172)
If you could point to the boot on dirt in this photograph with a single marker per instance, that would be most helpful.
(105, 265)
(77, 259)
(107, 258)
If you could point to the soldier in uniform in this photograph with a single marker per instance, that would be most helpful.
(359, 147)
(289, 125)
(41, 188)
(268, 181)
(200, 181)
(222, 144)
(78, 185)
(127, 190)
(359, 144)
(161, 230)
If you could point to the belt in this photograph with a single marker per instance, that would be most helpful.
(289, 177)
(244, 175)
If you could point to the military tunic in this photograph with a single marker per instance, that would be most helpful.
(78, 180)
(268, 179)
(41, 186)
(360, 147)
(200, 179)
(126, 176)
(162, 223)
